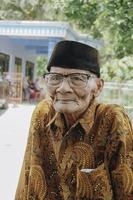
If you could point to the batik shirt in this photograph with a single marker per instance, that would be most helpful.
(92, 160)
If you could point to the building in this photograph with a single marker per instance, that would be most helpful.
(22, 41)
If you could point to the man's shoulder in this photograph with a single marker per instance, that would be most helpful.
(110, 109)
(44, 107)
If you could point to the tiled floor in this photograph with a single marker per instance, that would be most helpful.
(14, 125)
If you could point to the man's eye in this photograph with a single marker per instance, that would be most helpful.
(56, 77)
(78, 78)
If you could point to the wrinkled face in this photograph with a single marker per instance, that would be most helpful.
(69, 99)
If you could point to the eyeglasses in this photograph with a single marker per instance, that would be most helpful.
(74, 79)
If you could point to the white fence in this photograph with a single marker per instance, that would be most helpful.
(119, 93)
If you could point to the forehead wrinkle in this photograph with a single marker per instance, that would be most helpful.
(66, 71)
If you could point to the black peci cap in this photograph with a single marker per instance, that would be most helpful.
(75, 55)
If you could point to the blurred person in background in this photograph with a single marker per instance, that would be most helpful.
(78, 149)
(26, 92)
(42, 88)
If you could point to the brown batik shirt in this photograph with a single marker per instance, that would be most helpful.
(92, 160)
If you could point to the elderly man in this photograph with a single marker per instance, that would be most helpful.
(77, 148)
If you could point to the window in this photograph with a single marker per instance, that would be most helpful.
(29, 72)
(18, 65)
(4, 63)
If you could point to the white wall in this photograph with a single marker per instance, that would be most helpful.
(13, 50)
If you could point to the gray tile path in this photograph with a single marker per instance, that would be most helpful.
(14, 126)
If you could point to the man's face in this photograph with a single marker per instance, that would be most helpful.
(69, 99)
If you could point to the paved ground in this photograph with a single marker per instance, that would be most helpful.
(14, 125)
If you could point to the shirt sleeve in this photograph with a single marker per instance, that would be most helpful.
(37, 122)
(119, 156)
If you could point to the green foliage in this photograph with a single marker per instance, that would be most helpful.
(115, 25)
(83, 14)
(27, 10)
(107, 19)
(41, 62)
(118, 70)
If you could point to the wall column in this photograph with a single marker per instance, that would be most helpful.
(23, 66)
(11, 64)
(50, 48)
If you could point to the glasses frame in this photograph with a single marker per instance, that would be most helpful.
(68, 75)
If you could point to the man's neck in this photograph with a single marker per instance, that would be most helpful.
(70, 119)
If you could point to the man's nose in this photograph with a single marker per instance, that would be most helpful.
(65, 86)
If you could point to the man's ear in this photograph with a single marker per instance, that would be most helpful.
(100, 84)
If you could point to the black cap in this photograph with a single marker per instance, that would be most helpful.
(75, 55)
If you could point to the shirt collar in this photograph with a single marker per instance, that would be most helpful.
(86, 120)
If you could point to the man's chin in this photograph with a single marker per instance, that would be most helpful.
(65, 107)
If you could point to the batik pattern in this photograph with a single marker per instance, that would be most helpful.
(92, 160)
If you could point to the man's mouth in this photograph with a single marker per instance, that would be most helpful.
(65, 100)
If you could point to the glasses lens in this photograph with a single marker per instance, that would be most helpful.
(78, 80)
(53, 79)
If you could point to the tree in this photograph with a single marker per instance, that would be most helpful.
(41, 65)
(118, 69)
(27, 10)
(107, 19)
